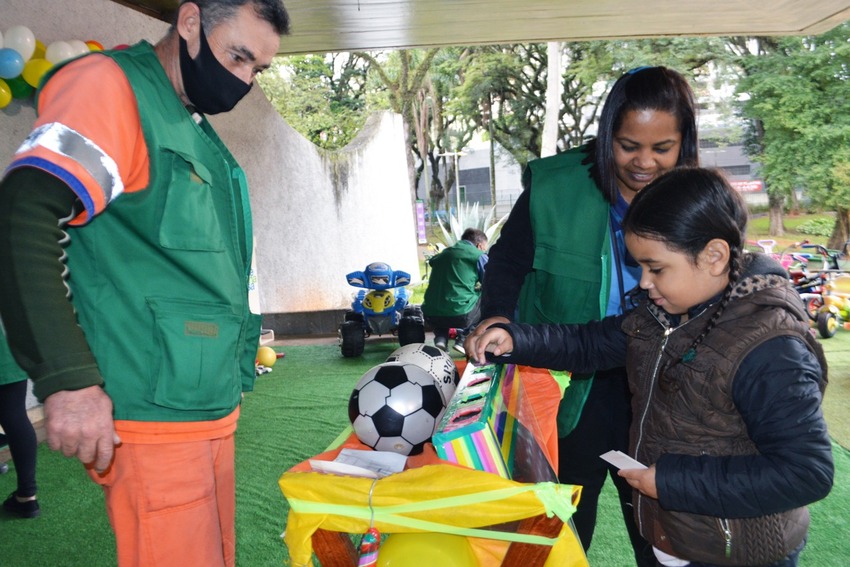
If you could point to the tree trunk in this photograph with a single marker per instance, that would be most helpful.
(794, 209)
(549, 143)
(841, 230)
(776, 226)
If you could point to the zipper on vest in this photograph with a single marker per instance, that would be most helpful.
(727, 535)
(666, 337)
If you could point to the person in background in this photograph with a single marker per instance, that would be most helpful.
(124, 200)
(727, 379)
(560, 258)
(454, 287)
(19, 434)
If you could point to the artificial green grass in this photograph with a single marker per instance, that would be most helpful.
(297, 410)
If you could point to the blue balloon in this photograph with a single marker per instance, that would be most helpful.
(11, 63)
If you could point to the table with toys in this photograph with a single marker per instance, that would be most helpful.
(482, 492)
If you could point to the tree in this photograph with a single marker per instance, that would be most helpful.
(403, 74)
(321, 96)
(504, 91)
(800, 94)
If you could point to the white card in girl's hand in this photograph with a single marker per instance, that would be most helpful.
(622, 460)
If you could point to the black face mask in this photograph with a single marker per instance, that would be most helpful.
(211, 88)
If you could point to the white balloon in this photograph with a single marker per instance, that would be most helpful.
(1, 40)
(21, 39)
(78, 46)
(58, 51)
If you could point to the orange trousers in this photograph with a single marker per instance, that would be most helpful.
(172, 504)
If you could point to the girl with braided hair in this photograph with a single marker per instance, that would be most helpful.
(726, 380)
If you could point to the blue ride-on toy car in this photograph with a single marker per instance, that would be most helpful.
(380, 308)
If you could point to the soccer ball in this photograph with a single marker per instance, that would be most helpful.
(395, 407)
(436, 362)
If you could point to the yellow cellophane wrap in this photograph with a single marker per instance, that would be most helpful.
(433, 498)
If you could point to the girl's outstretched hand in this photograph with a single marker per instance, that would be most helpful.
(495, 340)
(641, 479)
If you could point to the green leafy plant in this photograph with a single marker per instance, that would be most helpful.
(817, 227)
(472, 215)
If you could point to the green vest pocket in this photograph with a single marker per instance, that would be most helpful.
(189, 220)
(197, 353)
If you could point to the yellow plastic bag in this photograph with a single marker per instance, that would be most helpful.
(434, 498)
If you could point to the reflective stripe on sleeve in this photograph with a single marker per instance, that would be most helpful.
(64, 141)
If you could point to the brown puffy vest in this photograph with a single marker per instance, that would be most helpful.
(686, 407)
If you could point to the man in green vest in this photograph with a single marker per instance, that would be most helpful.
(454, 287)
(124, 200)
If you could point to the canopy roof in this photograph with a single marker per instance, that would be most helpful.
(348, 25)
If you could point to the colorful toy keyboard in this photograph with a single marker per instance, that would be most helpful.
(478, 427)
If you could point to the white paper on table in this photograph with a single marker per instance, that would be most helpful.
(622, 460)
(355, 462)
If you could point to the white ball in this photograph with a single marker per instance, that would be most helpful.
(58, 51)
(21, 39)
(436, 362)
(395, 407)
(78, 46)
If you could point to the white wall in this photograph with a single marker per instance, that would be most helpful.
(317, 215)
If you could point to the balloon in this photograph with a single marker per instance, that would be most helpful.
(34, 69)
(21, 39)
(94, 45)
(1, 40)
(266, 356)
(20, 88)
(122, 46)
(79, 47)
(5, 94)
(11, 63)
(40, 50)
(58, 51)
(446, 550)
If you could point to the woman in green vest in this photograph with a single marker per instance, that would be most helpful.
(561, 258)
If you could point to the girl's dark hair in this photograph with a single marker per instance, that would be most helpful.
(686, 208)
(645, 88)
(214, 12)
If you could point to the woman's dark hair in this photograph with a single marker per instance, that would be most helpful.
(686, 208)
(645, 88)
(214, 12)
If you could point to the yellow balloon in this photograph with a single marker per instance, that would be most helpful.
(40, 50)
(266, 356)
(445, 550)
(34, 69)
(5, 94)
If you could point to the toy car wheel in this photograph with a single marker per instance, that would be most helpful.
(827, 324)
(352, 339)
(412, 311)
(813, 305)
(353, 316)
(411, 330)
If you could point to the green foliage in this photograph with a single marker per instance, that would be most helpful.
(818, 227)
(796, 94)
(472, 216)
(321, 96)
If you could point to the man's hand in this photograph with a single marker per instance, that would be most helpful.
(79, 423)
(641, 479)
